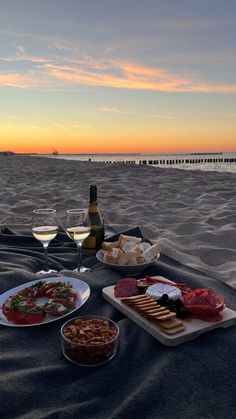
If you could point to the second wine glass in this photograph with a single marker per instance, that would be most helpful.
(78, 229)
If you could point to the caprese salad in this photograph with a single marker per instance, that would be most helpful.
(24, 306)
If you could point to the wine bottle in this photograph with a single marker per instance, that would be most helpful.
(94, 241)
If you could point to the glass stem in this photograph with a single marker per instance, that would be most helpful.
(79, 245)
(45, 258)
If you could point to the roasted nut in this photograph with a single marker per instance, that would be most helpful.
(89, 340)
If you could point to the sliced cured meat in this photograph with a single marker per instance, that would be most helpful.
(126, 287)
(203, 301)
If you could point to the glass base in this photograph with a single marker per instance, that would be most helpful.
(50, 271)
(82, 269)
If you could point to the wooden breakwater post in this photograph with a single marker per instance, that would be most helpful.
(189, 161)
(174, 161)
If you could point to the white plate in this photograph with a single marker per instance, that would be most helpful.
(126, 269)
(81, 287)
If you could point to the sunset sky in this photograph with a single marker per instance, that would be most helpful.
(110, 76)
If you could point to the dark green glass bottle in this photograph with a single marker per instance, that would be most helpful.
(94, 241)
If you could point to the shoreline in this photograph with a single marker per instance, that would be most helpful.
(221, 162)
(192, 215)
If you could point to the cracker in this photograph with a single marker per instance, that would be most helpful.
(174, 330)
(145, 305)
(169, 324)
(168, 316)
(142, 301)
(135, 298)
(150, 309)
(156, 314)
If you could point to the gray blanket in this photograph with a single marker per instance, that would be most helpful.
(145, 379)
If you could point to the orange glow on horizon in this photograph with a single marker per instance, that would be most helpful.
(117, 136)
(119, 145)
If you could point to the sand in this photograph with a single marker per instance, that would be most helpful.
(191, 213)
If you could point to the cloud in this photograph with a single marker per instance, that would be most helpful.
(60, 126)
(128, 75)
(29, 127)
(20, 49)
(15, 117)
(6, 126)
(79, 126)
(60, 46)
(160, 116)
(21, 55)
(69, 127)
(13, 80)
(66, 70)
(118, 74)
(29, 79)
(24, 127)
(112, 110)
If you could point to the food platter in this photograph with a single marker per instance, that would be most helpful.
(82, 289)
(193, 326)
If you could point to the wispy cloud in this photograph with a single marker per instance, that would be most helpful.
(79, 126)
(20, 49)
(112, 110)
(16, 117)
(69, 127)
(21, 55)
(128, 75)
(111, 73)
(29, 127)
(156, 116)
(60, 126)
(6, 126)
(13, 80)
(32, 36)
(19, 127)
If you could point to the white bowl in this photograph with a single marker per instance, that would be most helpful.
(126, 269)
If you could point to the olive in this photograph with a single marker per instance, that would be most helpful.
(164, 298)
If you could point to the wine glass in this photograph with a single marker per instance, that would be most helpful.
(44, 229)
(78, 229)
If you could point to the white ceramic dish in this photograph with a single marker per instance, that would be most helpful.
(81, 287)
(126, 269)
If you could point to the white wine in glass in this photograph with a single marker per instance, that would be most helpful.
(78, 229)
(45, 229)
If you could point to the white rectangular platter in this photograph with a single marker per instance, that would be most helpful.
(193, 327)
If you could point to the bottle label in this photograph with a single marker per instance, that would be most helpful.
(94, 241)
(89, 245)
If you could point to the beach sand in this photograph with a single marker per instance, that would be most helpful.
(191, 213)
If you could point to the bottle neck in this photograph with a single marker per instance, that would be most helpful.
(93, 194)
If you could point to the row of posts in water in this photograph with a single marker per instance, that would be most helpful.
(177, 161)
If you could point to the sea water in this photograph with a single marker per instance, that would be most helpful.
(220, 162)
